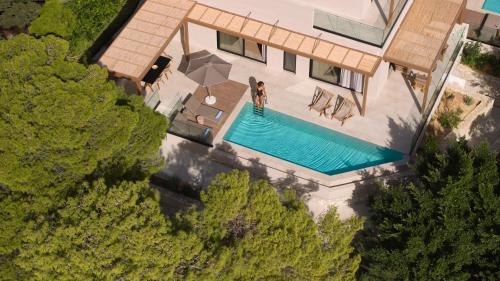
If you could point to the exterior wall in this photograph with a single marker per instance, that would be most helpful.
(477, 6)
(298, 15)
(288, 11)
(377, 83)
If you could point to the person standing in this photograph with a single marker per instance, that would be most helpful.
(261, 95)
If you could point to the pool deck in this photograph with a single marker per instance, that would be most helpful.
(391, 120)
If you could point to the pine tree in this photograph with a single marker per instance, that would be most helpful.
(103, 233)
(60, 120)
(251, 233)
(445, 226)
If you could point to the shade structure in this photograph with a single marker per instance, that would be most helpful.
(208, 70)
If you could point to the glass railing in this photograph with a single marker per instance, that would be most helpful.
(441, 73)
(371, 34)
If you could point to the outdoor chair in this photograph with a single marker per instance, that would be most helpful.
(184, 127)
(193, 108)
(343, 109)
(321, 101)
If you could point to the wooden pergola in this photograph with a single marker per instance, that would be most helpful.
(287, 40)
(421, 39)
(144, 38)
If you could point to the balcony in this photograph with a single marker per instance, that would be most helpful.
(373, 29)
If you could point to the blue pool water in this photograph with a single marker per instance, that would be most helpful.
(492, 5)
(304, 143)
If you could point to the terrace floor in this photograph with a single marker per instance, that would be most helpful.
(391, 118)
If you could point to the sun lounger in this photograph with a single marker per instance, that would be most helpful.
(321, 101)
(186, 128)
(193, 108)
(343, 109)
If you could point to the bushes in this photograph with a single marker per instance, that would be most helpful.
(467, 100)
(54, 19)
(18, 13)
(81, 22)
(450, 119)
(475, 58)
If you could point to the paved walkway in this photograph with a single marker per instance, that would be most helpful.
(197, 165)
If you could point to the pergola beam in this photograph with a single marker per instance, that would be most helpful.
(185, 39)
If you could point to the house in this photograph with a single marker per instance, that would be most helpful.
(390, 58)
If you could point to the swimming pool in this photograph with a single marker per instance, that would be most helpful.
(304, 143)
(492, 5)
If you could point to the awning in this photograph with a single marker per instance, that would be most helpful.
(424, 33)
(144, 37)
(284, 39)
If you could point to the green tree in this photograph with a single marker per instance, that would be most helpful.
(444, 226)
(93, 17)
(18, 13)
(60, 120)
(104, 233)
(55, 19)
(249, 233)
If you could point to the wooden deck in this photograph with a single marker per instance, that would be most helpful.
(228, 95)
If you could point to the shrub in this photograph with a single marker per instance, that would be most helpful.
(475, 58)
(450, 119)
(18, 13)
(471, 53)
(467, 100)
(82, 22)
(54, 19)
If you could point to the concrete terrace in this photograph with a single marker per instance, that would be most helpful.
(391, 118)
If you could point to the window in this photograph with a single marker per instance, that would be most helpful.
(324, 72)
(289, 62)
(242, 47)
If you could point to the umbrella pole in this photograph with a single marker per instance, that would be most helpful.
(210, 99)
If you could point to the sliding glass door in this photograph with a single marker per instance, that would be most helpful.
(242, 47)
(337, 76)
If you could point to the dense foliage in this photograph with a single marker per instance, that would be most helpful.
(54, 19)
(62, 124)
(81, 22)
(450, 119)
(103, 233)
(244, 232)
(61, 120)
(250, 234)
(18, 13)
(446, 226)
(486, 62)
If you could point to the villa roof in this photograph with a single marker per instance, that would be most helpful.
(144, 37)
(284, 39)
(424, 33)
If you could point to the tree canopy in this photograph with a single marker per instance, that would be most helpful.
(445, 226)
(103, 233)
(245, 231)
(55, 19)
(251, 233)
(81, 22)
(60, 120)
(18, 13)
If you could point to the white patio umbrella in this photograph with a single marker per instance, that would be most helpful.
(208, 71)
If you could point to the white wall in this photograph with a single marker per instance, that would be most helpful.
(298, 15)
(377, 82)
(274, 58)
